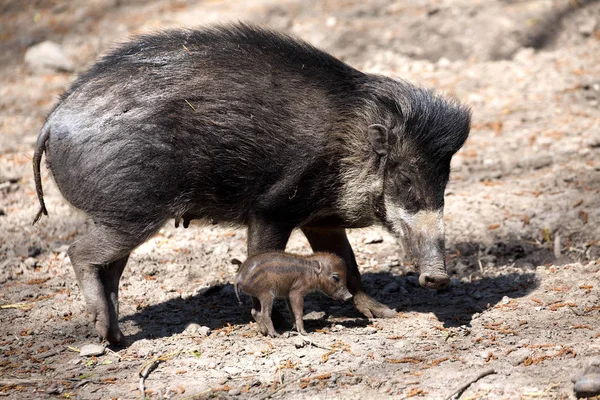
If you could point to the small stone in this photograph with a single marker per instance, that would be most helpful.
(33, 251)
(314, 316)
(234, 392)
(372, 238)
(337, 328)
(30, 262)
(587, 26)
(55, 388)
(369, 330)
(587, 382)
(196, 329)
(299, 342)
(517, 357)
(212, 365)
(47, 56)
(92, 350)
(505, 300)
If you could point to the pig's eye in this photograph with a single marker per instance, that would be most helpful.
(335, 278)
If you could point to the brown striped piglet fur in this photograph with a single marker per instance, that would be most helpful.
(268, 276)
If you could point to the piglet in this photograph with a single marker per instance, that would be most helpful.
(268, 276)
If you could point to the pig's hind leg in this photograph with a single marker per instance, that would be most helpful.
(98, 260)
(335, 241)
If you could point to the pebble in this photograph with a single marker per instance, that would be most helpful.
(47, 56)
(314, 316)
(587, 382)
(92, 350)
(587, 26)
(372, 238)
(234, 392)
(196, 329)
(369, 330)
(55, 388)
(299, 342)
(518, 356)
(30, 262)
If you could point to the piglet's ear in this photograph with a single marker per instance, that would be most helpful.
(379, 138)
(318, 267)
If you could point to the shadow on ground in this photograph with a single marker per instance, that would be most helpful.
(217, 307)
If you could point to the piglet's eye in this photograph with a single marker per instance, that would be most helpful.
(335, 278)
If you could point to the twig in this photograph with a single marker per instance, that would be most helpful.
(149, 367)
(458, 392)
(20, 306)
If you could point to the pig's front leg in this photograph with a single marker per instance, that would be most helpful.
(336, 241)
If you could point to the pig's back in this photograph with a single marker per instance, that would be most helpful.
(209, 123)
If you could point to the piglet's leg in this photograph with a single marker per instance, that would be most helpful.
(257, 315)
(264, 236)
(296, 303)
(266, 303)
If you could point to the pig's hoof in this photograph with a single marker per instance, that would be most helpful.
(434, 280)
(371, 308)
(114, 336)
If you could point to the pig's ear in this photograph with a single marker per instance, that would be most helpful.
(380, 138)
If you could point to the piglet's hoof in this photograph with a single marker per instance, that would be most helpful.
(371, 308)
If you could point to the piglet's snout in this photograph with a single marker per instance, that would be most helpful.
(343, 294)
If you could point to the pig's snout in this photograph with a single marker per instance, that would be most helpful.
(434, 280)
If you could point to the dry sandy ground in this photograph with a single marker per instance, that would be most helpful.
(523, 211)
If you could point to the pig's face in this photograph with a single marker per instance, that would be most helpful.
(332, 277)
(415, 155)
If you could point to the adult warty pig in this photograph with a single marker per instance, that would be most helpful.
(249, 127)
(267, 276)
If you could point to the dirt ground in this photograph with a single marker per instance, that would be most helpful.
(522, 215)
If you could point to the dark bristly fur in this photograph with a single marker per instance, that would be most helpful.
(241, 125)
